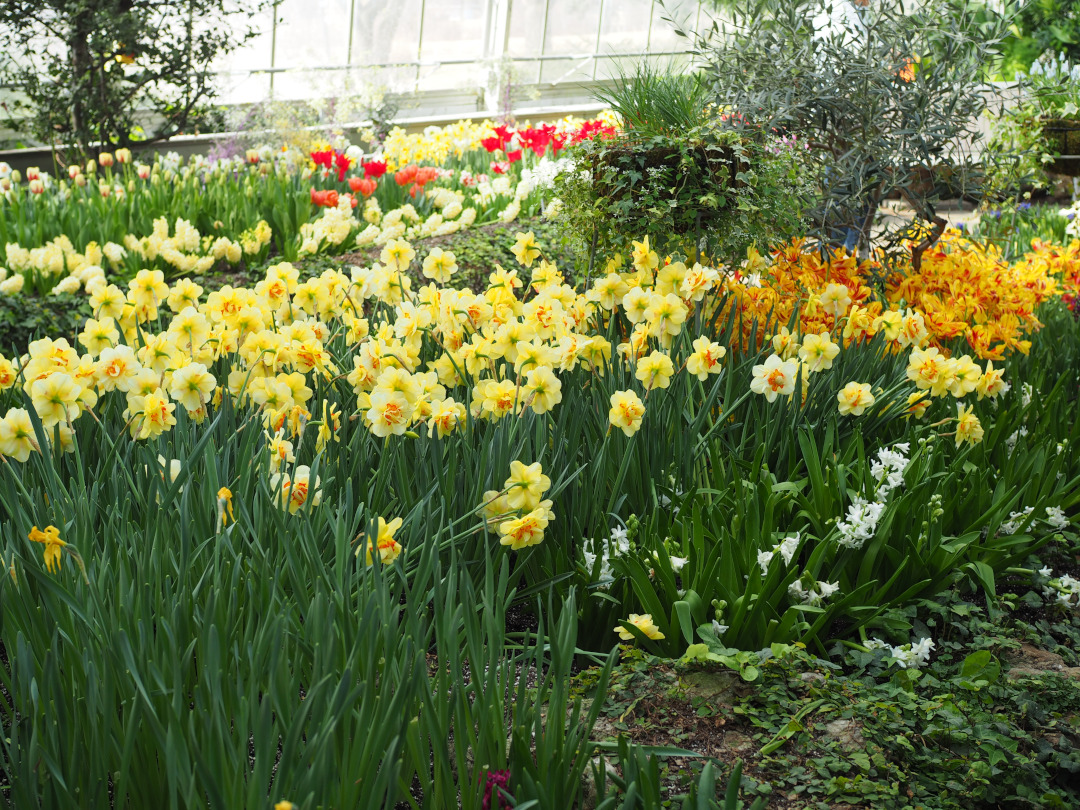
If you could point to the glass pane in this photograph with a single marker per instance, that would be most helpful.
(243, 88)
(386, 33)
(253, 55)
(526, 25)
(574, 69)
(625, 27)
(451, 77)
(571, 29)
(307, 84)
(312, 33)
(453, 29)
(664, 38)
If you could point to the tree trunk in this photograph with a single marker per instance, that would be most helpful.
(82, 68)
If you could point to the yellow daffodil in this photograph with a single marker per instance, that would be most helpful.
(968, 427)
(854, 398)
(992, 383)
(774, 377)
(526, 485)
(627, 411)
(542, 390)
(705, 359)
(818, 352)
(53, 545)
(382, 542)
(225, 508)
(17, 438)
(655, 371)
(525, 249)
(527, 530)
(643, 622)
(440, 265)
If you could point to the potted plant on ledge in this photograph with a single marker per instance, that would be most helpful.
(680, 173)
(1055, 85)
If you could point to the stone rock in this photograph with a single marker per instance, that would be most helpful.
(847, 733)
(719, 686)
(737, 742)
(588, 782)
(1031, 662)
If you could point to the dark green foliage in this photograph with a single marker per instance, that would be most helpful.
(679, 175)
(1016, 157)
(709, 191)
(1041, 26)
(960, 734)
(1013, 225)
(26, 317)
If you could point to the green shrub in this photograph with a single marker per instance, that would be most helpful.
(24, 318)
(679, 175)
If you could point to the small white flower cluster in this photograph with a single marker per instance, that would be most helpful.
(1026, 393)
(815, 594)
(543, 176)
(888, 469)
(614, 546)
(1055, 518)
(1065, 590)
(677, 563)
(861, 522)
(786, 548)
(863, 515)
(1010, 443)
(907, 656)
(1055, 67)
(1072, 214)
(1012, 525)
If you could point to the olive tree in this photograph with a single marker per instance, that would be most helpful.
(885, 96)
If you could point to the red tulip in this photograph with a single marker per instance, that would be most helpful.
(406, 175)
(325, 158)
(425, 174)
(375, 169)
(327, 198)
(343, 164)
